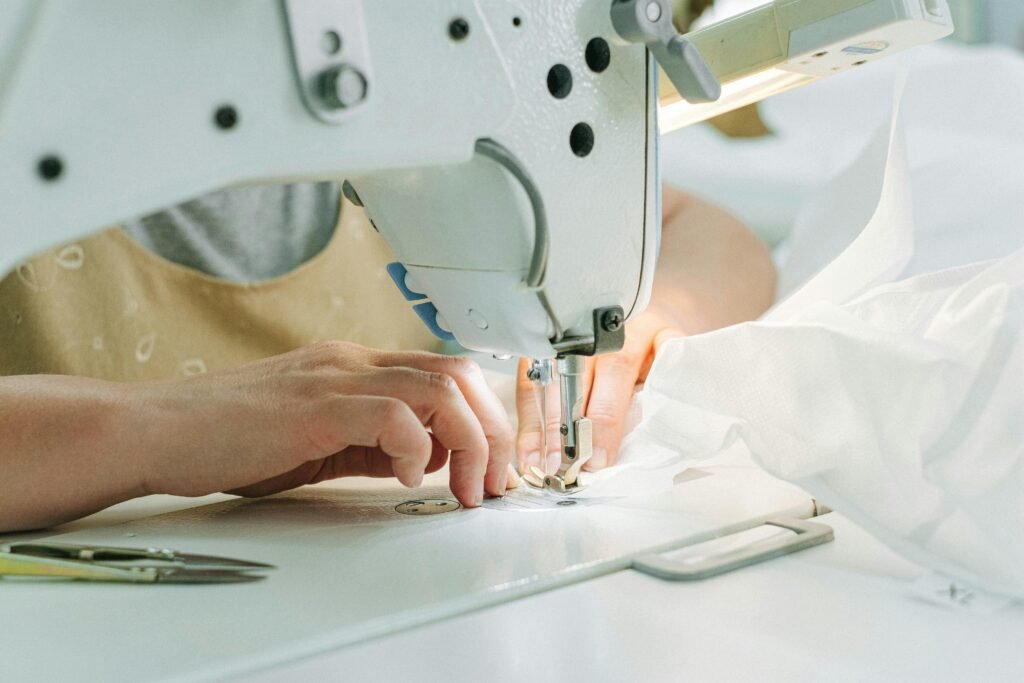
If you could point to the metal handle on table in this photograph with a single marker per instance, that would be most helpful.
(807, 534)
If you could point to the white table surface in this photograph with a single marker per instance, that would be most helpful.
(842, 611)
(349, 569)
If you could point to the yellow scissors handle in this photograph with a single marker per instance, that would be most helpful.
(12, 564)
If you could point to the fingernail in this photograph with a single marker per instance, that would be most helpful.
(531, 460)
(417, 482)
(512, 479)
(479, 500)
(503, 481)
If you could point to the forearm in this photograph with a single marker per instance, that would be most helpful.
(68, 447)
(72, 446)
(712, 270)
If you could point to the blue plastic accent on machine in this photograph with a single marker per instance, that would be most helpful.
(428, 314)
(398, 272)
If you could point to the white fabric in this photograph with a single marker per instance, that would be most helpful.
(901, 405)
(903, 409)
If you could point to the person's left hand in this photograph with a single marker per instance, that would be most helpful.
(712, 272)
(609, 383)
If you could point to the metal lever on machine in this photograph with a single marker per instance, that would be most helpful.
(650, 22)
(577, 439)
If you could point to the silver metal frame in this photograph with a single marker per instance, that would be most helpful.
(808, 534)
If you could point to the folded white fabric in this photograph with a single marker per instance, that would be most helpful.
(903, 409)
(899, 404)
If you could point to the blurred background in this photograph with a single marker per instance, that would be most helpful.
(989, 21)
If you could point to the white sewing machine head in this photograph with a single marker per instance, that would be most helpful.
(507, 151)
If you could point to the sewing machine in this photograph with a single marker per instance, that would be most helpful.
(506, 150)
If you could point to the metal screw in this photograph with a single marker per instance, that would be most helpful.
(581, 139)
(458, 29)
(225, 117)
(342, 86)
(564, 430)
(611, 321)
(50, 167)
(540, 371)
(330, 42)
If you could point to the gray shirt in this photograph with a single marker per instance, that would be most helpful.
(244, 234)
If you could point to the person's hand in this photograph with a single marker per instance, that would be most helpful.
(322, 412)
(608, 383)
(712, 272)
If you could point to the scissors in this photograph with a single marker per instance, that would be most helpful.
(124, 565)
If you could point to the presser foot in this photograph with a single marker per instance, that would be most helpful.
(566, 481)
(556, 483)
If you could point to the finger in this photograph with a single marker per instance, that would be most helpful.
(439, 456)
(530, 441)
(548, 461)
(372, 461)
(532, 448)
(488, 409)
(374, 421)
(438, 403)
(660, 339)
(666, 335)
(354, 461)
(528, 418)
(513, 478)
(615, 376)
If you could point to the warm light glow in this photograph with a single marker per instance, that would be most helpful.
(675, 113)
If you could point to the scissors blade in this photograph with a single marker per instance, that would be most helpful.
(179, 575)
(193, 561)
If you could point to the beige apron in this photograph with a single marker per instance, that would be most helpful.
(107, 307)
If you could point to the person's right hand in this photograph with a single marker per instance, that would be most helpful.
(321, 412)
